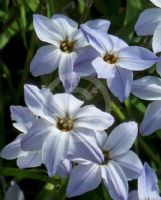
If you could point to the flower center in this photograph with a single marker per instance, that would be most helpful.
(110, 58)
(106, 157)
(65, 124)
(66, 46)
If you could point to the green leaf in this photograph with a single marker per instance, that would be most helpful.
(32, 4)
(132, 10)
(82, 6)
(29, 173)
(8, 33)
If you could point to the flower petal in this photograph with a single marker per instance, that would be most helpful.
(64, 168)
(23, 117)
(133, 195)
(121, 84)
(148, 21)
(14, 192)
(47, 30)
(147, 183)
(45, 61)
(83, 178)
(99, 24)
(148, 88)
(54, 151)
(66, 74)
(130, 164)
(65, 26)
(121, 138)
(34, 139)
(152, 119)
(32, 159)
(83, 145)
(156, 3)
(37, 100)
(83, 64)
(136, 58)
(101, 138)
(67, 104)
(13, 149)
(99, 40)
(93, 118)
(156, 42)
(115, 180)
(118, 43)
(158, 66)
(103, 69)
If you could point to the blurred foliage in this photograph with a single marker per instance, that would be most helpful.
(18, 43)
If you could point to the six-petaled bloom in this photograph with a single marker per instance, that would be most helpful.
(116, 61)
(63, 128)
(119, 165)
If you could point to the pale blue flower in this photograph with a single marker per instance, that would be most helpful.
(115, 61)
(66, 42)
(119, 165)
(149, 88)
(147, 186)
(149, 23)
(63, 127)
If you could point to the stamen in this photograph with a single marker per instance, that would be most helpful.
(110, 58)
(66, 46)
(106, 157)
(65, 124)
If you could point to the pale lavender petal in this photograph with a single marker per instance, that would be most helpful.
(156, 42)
(34, 139)
(23, 117)
(156, 3)
(14, 192)
(83, 145)
(67, 103)
(148, 21)
(120, 85)
(130, 164)
(103, 69)
(69, 80)
(115, 181)
(13, 149)
(69, 21)
(64, 169)
(148, 88)
(66, 26)
(133, 195)
(37, 100)
(152, 119)
(101, 138)
(118, 43)
(83, 178)
(47, 30)
(99, 24)
(147, 183)
(136, 58)
(158, 66)
(55, 150)
(83, 64)
(93, 118)
(32, 159)
(121, 138)
(45, 61)
(99, 40)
